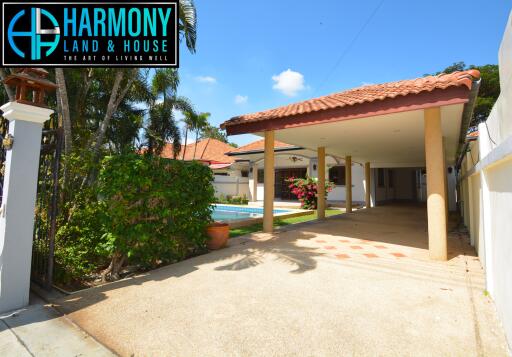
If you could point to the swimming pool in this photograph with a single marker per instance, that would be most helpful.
(235, 213)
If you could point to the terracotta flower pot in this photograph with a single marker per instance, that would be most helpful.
(218, 234)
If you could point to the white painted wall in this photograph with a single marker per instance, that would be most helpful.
(338, 193)
(488, 183)
(231, 186)
(405, 188)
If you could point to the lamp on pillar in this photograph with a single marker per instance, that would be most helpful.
(26, 115)
(30, 81)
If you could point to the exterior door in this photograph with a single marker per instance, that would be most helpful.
(282, 190)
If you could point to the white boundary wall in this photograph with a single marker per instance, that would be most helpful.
(486, 187)
(231, 186)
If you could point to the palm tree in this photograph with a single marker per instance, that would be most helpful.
(163, 102)
(123, 80)
(194, 122)
(63, 106)
(188, 23)
(188, 120)
(201, 121)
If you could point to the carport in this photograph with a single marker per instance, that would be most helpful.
(418, 123)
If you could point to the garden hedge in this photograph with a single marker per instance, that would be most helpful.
(145, 211)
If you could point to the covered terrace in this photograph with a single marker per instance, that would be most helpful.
(418, 123)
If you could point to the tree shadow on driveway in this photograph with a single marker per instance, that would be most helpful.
(243, 253)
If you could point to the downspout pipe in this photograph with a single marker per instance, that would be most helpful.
(467, 114)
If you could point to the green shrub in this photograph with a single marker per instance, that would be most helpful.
(145, 210)
(236, 200)
(158, 208)
(79, 245)
(221, 199)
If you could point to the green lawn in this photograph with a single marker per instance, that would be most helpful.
(235, 232)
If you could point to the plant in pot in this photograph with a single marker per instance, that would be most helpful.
(218, 235)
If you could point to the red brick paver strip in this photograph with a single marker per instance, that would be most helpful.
(381, 247)
(371, 255)
(399, 255)
(344, 241)
(330, 247)
(356, 247)
(320, 241)
(342, 256)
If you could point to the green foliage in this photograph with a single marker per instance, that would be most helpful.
(234, 200)
(305, 189)
(489, 88)
(157, 209)
(80, 245)
(147, 209)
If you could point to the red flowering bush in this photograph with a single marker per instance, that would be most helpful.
(306, 190)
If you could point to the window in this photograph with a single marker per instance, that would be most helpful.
(261, 176)
(337, 175)
(380, 178)
(390, 178)
(245, 173)
(221, 174)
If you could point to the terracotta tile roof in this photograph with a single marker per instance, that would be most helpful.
(364, 94)
(208, 150)
(259, 146)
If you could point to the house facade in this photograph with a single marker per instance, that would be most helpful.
(405, 184)
(293, 161)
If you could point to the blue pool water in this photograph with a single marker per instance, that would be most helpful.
(237, 213)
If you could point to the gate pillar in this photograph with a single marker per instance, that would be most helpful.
(19, 194)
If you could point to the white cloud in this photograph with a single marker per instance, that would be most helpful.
(206, 79)
(289, 82)
(241, 99)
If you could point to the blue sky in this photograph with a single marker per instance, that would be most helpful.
(245, 48)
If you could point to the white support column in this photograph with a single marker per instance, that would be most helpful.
(268, 199)
(19, 196)
(321, 184)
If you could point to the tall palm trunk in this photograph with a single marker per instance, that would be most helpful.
(195, 145)
(63, 103)
(185, 147)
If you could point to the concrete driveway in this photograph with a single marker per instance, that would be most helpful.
(358, 284)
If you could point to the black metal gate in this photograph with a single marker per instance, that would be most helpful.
(45, 225)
